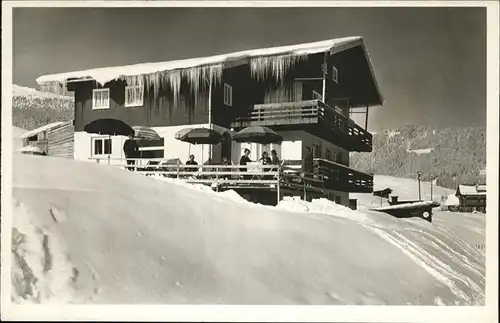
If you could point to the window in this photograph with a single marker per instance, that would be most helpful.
(101, 146)
(316, 151)
(317, 96)
(297, 91)
(338, 200)
(100, 99)
(134, 96)
(339, 157)
(228, 95)
(335, 74)
(328, 154)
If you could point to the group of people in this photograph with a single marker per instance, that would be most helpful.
(264, 160)
(244, 160)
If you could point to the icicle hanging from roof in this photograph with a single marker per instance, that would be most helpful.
(277, 66)
(173, 78)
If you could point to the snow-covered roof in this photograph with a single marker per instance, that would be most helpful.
(30, 92)
(42, 128)
(106, 74)
(471, 189)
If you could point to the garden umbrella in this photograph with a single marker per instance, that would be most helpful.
(147, 133)
(110, 127)
(200, 136)
(258, 134)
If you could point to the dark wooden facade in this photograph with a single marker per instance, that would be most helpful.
(472, 202)
(156, 112)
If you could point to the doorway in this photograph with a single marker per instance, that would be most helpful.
(226, 147)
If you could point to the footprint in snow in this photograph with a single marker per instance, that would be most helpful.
(57, 215)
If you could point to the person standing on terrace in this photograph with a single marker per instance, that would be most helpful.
(131, 150)
(274, 158)
(245, 159)
(191, 161)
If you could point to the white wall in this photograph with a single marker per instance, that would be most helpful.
(256, 150)
(173, 148)
(178, 149)
(307, 140)
(294, 147)
(83, 146)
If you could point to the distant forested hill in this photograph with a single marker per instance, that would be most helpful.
(445, 153)
(32, 109)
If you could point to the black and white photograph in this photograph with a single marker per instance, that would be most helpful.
(237, 154)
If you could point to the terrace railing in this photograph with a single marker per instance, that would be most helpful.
(326, 175)
(223, 176)
(339, 177)
(342, 178)
(308, 112)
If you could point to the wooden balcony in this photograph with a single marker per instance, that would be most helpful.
(342, 178)
(307, 115)
(338, 177)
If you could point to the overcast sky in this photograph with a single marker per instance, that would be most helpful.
(430, 62)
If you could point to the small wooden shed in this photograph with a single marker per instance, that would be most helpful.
(472, 198)
(54, 139)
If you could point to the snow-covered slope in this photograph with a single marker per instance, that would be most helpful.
(16, 137)
(90, 233)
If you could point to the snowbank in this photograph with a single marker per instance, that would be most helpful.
(119, 237)
(16, 137)
(452, 200)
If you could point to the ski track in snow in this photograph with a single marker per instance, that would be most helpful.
(436, 268)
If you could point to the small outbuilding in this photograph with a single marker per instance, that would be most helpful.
(471, 198)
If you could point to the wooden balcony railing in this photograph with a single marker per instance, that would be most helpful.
(342, 178)
(348, 133)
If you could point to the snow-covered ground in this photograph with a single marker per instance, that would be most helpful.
(421, 151)
(88, 233)
(16, 137)
(403, 188)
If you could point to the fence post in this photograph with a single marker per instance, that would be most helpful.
(305, 194)
(217, 180)
(178, 166)
(278, 188)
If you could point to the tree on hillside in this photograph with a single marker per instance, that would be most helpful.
(459, 151)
